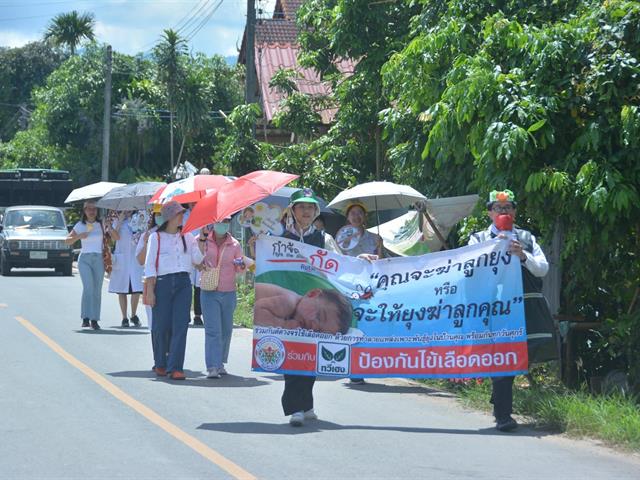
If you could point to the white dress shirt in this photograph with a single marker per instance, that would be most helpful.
(535, 262)
(172, 257)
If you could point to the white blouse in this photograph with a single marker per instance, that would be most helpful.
(93, 243)
(172, 258)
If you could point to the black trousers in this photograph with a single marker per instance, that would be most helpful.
(298, 393)
(197, 308)
(502, 396)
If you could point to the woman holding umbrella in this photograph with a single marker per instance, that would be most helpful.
(356, 241)
(126, 276)
(170, 258)
(297, 398)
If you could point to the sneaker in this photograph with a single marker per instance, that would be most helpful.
(357, 381)
(160, 372)
(297, 419)
(213, 372)
(506, 424)
(125, 323)
(94, 325)
(310, 415)
(177, 376)
(222, 371)
(85, 323)
(197, 321)
(135, 320)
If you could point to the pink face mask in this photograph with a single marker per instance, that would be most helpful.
(504, 223)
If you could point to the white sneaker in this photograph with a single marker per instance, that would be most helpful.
(213, 372)
(310, 415)
(222, 371)
(297, 419)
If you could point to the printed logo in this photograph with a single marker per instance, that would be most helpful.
(333, 359)
(269, 353)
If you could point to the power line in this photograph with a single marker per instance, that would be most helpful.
(204, 21)
(195, 14)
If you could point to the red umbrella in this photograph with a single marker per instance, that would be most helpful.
(234, 196)
(190, 189)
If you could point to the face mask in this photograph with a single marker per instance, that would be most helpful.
(221, 228)
(159, 219)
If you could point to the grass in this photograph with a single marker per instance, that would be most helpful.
(243, 315)
(612, 419)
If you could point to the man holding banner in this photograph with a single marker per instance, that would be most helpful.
(540, 328)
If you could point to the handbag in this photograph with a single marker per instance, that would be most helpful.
(210, 277)
(107, 259)
(146, 288)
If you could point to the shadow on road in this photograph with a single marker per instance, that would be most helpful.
(319, 426)
(195, 379)
(119, 331)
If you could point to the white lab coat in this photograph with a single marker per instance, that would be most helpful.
(125, 266)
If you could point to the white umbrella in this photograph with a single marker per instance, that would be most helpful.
(378, 196)
(95, 190)
(134, 196)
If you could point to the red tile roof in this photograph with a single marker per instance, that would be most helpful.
(276, 47)
(272, 57)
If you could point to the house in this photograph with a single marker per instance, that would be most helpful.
(276, 47)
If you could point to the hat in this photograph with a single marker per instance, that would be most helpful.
(171, 209)
(355, 203)
(305, 195)
(501, 196)
(205, 171)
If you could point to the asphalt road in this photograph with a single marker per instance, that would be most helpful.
(83, 404)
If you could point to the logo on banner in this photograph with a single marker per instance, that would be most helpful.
(333, 358)
(270, 353)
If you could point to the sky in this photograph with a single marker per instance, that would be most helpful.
(134, 26)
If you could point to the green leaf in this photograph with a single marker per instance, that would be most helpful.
(537, 126)
(326, 354)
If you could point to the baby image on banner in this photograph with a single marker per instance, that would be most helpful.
(452, 314)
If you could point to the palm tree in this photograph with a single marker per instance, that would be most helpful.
(170, 53)
(70, 29)
(192, 106)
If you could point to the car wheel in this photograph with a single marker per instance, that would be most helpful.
(5, 268)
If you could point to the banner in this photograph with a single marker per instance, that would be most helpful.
(452, 314)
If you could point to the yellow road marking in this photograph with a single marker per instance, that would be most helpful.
(190, 441)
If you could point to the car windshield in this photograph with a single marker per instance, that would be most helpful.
(34, 219)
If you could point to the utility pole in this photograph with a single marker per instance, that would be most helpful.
(250, 81)
(106, 128)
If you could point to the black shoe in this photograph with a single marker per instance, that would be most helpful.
(357, 381)
(135, 320)
(197, 320)
(85, 323)
(506, 424)
(94, 325)
(125, 323)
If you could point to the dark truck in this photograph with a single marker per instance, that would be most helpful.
(32, 226)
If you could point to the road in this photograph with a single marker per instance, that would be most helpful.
(84, 404)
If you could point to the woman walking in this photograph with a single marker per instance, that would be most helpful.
(297, 398)
(222, 260)
(356, 241)
(90, 232)
(126, 276)
(170, 256)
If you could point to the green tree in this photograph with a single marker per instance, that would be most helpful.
(21, 70)
(70, 29)
(540, 96)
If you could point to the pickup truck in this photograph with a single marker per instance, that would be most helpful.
(32, 236)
